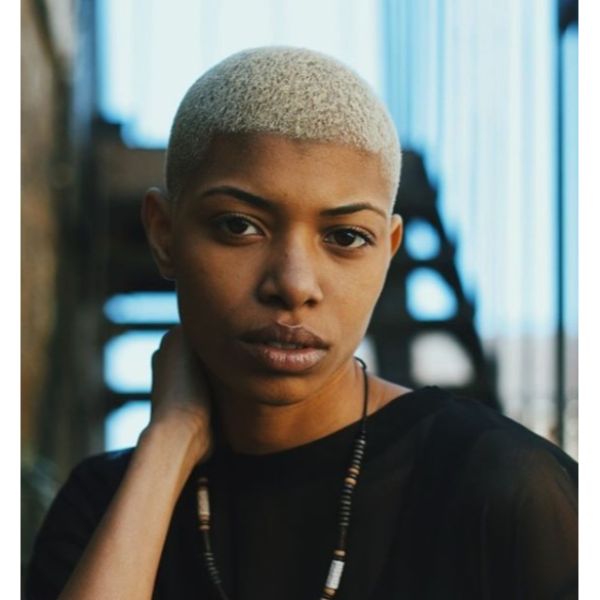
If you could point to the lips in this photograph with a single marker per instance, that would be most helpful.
(285, 335)
(284, 348)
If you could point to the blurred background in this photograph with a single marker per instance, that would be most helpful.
(482, 298)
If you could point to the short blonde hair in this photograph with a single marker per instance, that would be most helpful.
(294, 92)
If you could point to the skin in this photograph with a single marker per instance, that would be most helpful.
(285, 263)
(248, 266)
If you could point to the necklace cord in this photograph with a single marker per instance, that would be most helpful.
(365, 394)
(338, 562)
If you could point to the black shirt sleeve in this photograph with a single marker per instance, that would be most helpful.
(516, 508)
(529, 528)
(494, 513)
(70, 523)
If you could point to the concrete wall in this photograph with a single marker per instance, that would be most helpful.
(47, 173)
(39, 217)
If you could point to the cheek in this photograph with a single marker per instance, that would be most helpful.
(365, 284)
(206, 269)
(209, 288)
(352, 298)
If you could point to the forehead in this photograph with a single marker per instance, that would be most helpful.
(281, 167)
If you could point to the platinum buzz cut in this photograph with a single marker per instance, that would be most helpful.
(293, 92)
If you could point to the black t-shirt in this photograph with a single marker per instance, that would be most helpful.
(454, 502)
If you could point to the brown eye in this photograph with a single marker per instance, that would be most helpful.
(349, 238)
(238, 226)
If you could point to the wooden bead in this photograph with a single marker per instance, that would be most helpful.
(203, 502)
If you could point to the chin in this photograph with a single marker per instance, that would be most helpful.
(274, 389)
(236, 375)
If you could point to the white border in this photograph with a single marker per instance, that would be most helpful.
(11, 243)
(589, 295)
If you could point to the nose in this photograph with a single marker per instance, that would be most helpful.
(290, 278)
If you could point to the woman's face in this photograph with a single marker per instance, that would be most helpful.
(279, 250)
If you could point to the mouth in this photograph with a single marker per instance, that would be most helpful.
(274, 344)
(285, 349)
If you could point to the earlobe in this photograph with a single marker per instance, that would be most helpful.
(396, 233)
(156, 218)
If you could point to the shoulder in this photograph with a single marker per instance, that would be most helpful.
(468, 420)
(106, 467)
(88, 490)
(491, 451)
(95, 479)
(508, 494)
(71, 521)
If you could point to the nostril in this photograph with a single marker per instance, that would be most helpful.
(289, 294)
(274, 300)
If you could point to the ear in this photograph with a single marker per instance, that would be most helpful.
(396, 234)
(157, 220)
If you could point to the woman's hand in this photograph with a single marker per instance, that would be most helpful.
(180, 395)
(122, 557)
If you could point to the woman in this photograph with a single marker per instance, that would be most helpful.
(274, 466)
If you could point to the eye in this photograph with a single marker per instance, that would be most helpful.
(349, 238)
(237, 226)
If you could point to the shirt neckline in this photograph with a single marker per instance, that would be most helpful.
(331, 452)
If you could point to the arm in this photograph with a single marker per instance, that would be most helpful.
(531, 528)
(547, 540)
(122, 557)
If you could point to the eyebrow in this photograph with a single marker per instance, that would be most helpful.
(266, 204)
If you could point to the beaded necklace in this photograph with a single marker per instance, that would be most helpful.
(336, 567)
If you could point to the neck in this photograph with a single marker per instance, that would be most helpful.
(253, 426)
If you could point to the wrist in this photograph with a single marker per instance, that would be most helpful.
(185, 438)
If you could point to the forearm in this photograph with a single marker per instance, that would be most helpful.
(122, 557)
